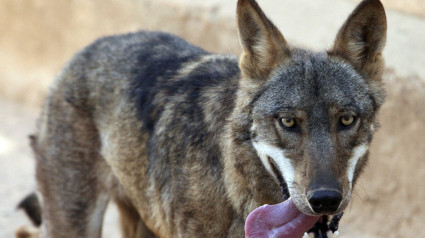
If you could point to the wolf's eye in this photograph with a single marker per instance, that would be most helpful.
(287, 122)
(347, 120)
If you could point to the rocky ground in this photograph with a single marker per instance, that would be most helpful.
(36, 41)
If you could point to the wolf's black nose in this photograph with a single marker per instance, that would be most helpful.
(325, 201)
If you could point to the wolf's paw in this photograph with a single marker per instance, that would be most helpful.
(27, 232)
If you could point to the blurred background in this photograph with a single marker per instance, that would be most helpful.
(37, 37)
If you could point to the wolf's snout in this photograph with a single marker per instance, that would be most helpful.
(325, 201)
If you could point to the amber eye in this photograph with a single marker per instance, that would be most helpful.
(287, 122)
(347, 120)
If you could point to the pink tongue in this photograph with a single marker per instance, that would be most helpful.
(280, 220)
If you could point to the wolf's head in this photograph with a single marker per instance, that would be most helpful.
(311, 115)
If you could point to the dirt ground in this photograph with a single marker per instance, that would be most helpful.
(37, 37)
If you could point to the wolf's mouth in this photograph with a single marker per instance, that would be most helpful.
(326, 224)
(280, 179)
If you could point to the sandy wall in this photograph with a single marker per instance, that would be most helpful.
(37, 37)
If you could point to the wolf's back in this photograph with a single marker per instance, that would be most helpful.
(150, 69)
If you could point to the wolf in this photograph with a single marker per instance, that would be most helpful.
(187, 142)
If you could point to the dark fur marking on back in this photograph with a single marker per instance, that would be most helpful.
(189, 99)
(155, 65)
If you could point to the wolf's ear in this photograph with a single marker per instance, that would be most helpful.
(263, 45)
(362, 38)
